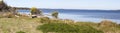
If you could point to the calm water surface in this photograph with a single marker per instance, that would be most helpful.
(83, 15)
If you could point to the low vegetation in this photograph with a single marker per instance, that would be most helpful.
(67, 28)
(7, 15)
(45, 24)
(109, 26)
(20, 32)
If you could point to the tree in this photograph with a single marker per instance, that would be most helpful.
(35, 11)
(55, 14)
(3, 5)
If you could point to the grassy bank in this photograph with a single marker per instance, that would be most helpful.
(12, 25)
(40, 25)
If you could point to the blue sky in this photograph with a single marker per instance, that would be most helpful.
(67, 4)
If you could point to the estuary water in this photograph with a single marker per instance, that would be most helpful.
(83, 15)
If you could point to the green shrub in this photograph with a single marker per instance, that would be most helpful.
(55, 14)
(20, 32)
(35, 11)
(66, 28)
(56, 27)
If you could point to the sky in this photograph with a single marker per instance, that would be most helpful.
(67, 4)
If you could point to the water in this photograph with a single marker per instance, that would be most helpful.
(83, 15)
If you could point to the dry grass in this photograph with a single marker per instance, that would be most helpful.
(12, 25)
(29, 25)
(106, 26)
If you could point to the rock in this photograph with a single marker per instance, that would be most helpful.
(33, 16)
(17, 16)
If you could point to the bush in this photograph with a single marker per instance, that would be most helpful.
(35, 11)
(66, 28)
(55, 14)
(107, 23)
(56, 27)
(20, 32)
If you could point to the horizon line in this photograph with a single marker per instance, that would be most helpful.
(69, 8)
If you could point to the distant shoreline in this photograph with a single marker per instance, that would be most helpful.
(68, 9)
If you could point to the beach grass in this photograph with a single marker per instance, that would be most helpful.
(12, 25)
(30, 25)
